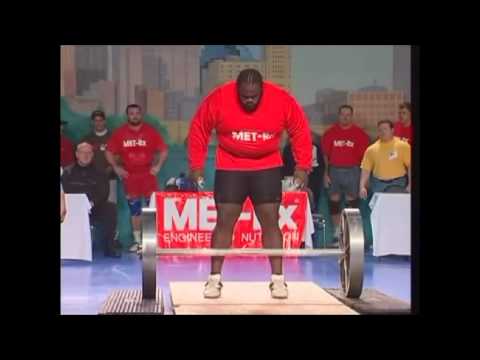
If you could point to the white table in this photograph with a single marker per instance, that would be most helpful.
(307, 234)
(75, 235)
(390, 220)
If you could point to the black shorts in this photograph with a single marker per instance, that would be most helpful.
(262, 186)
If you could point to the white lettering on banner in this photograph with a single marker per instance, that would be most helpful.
(251, 136)
(205, 222)
(188, 237)
(188, 222)
(207, 217)
(286, 217)
(289, 238)
(252, 237)
(171, 214)
(245, 216)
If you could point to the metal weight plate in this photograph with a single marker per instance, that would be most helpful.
(352, 246)
(149, 253)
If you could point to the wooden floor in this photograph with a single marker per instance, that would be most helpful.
(239, 298)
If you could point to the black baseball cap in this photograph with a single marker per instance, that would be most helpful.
(98, 113)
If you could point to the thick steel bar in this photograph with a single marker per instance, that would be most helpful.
(250, 251)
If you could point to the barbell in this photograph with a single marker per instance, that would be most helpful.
(351, 253)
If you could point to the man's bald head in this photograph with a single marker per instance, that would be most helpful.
(84, 154)
(84, 146)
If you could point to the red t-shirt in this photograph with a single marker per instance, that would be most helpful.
(67, 156)
(249, 141)
(136, 148)
(403, 132)
(345, 147)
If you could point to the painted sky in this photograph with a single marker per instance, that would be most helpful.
(342, 67)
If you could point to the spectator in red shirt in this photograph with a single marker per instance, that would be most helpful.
(67, 156)
(142, 152)
(403, 127)
(249, 116)
(344, 144)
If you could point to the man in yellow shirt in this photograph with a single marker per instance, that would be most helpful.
(389, 160)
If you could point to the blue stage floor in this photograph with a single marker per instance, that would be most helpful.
(85, 286)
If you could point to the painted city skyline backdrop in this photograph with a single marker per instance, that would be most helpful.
(169, 81)
(339, 67)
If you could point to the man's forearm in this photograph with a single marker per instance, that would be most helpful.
(111, 159)
(325, 160)
(160, 158)
(364, 178)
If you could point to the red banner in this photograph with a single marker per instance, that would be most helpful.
(186, 220)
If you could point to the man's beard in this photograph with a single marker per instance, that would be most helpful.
(134, 122)
(250, 108)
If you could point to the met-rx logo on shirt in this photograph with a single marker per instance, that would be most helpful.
(133, 143)
(251, 136)
(342, 143)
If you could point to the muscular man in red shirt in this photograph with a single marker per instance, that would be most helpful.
(344, 144)
(142, 152)
(403, 127)
(249, 116)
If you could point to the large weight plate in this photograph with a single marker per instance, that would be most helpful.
(352, 245)
(149, 253)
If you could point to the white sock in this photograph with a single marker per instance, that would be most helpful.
(216, 277)
(278, 278)
(137, 236)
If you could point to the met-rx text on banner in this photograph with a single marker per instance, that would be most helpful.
(186, 220)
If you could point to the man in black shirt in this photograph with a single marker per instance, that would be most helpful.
(98, 138)
(315, 178)
(84, 178)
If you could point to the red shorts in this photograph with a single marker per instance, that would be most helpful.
(140, 185)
